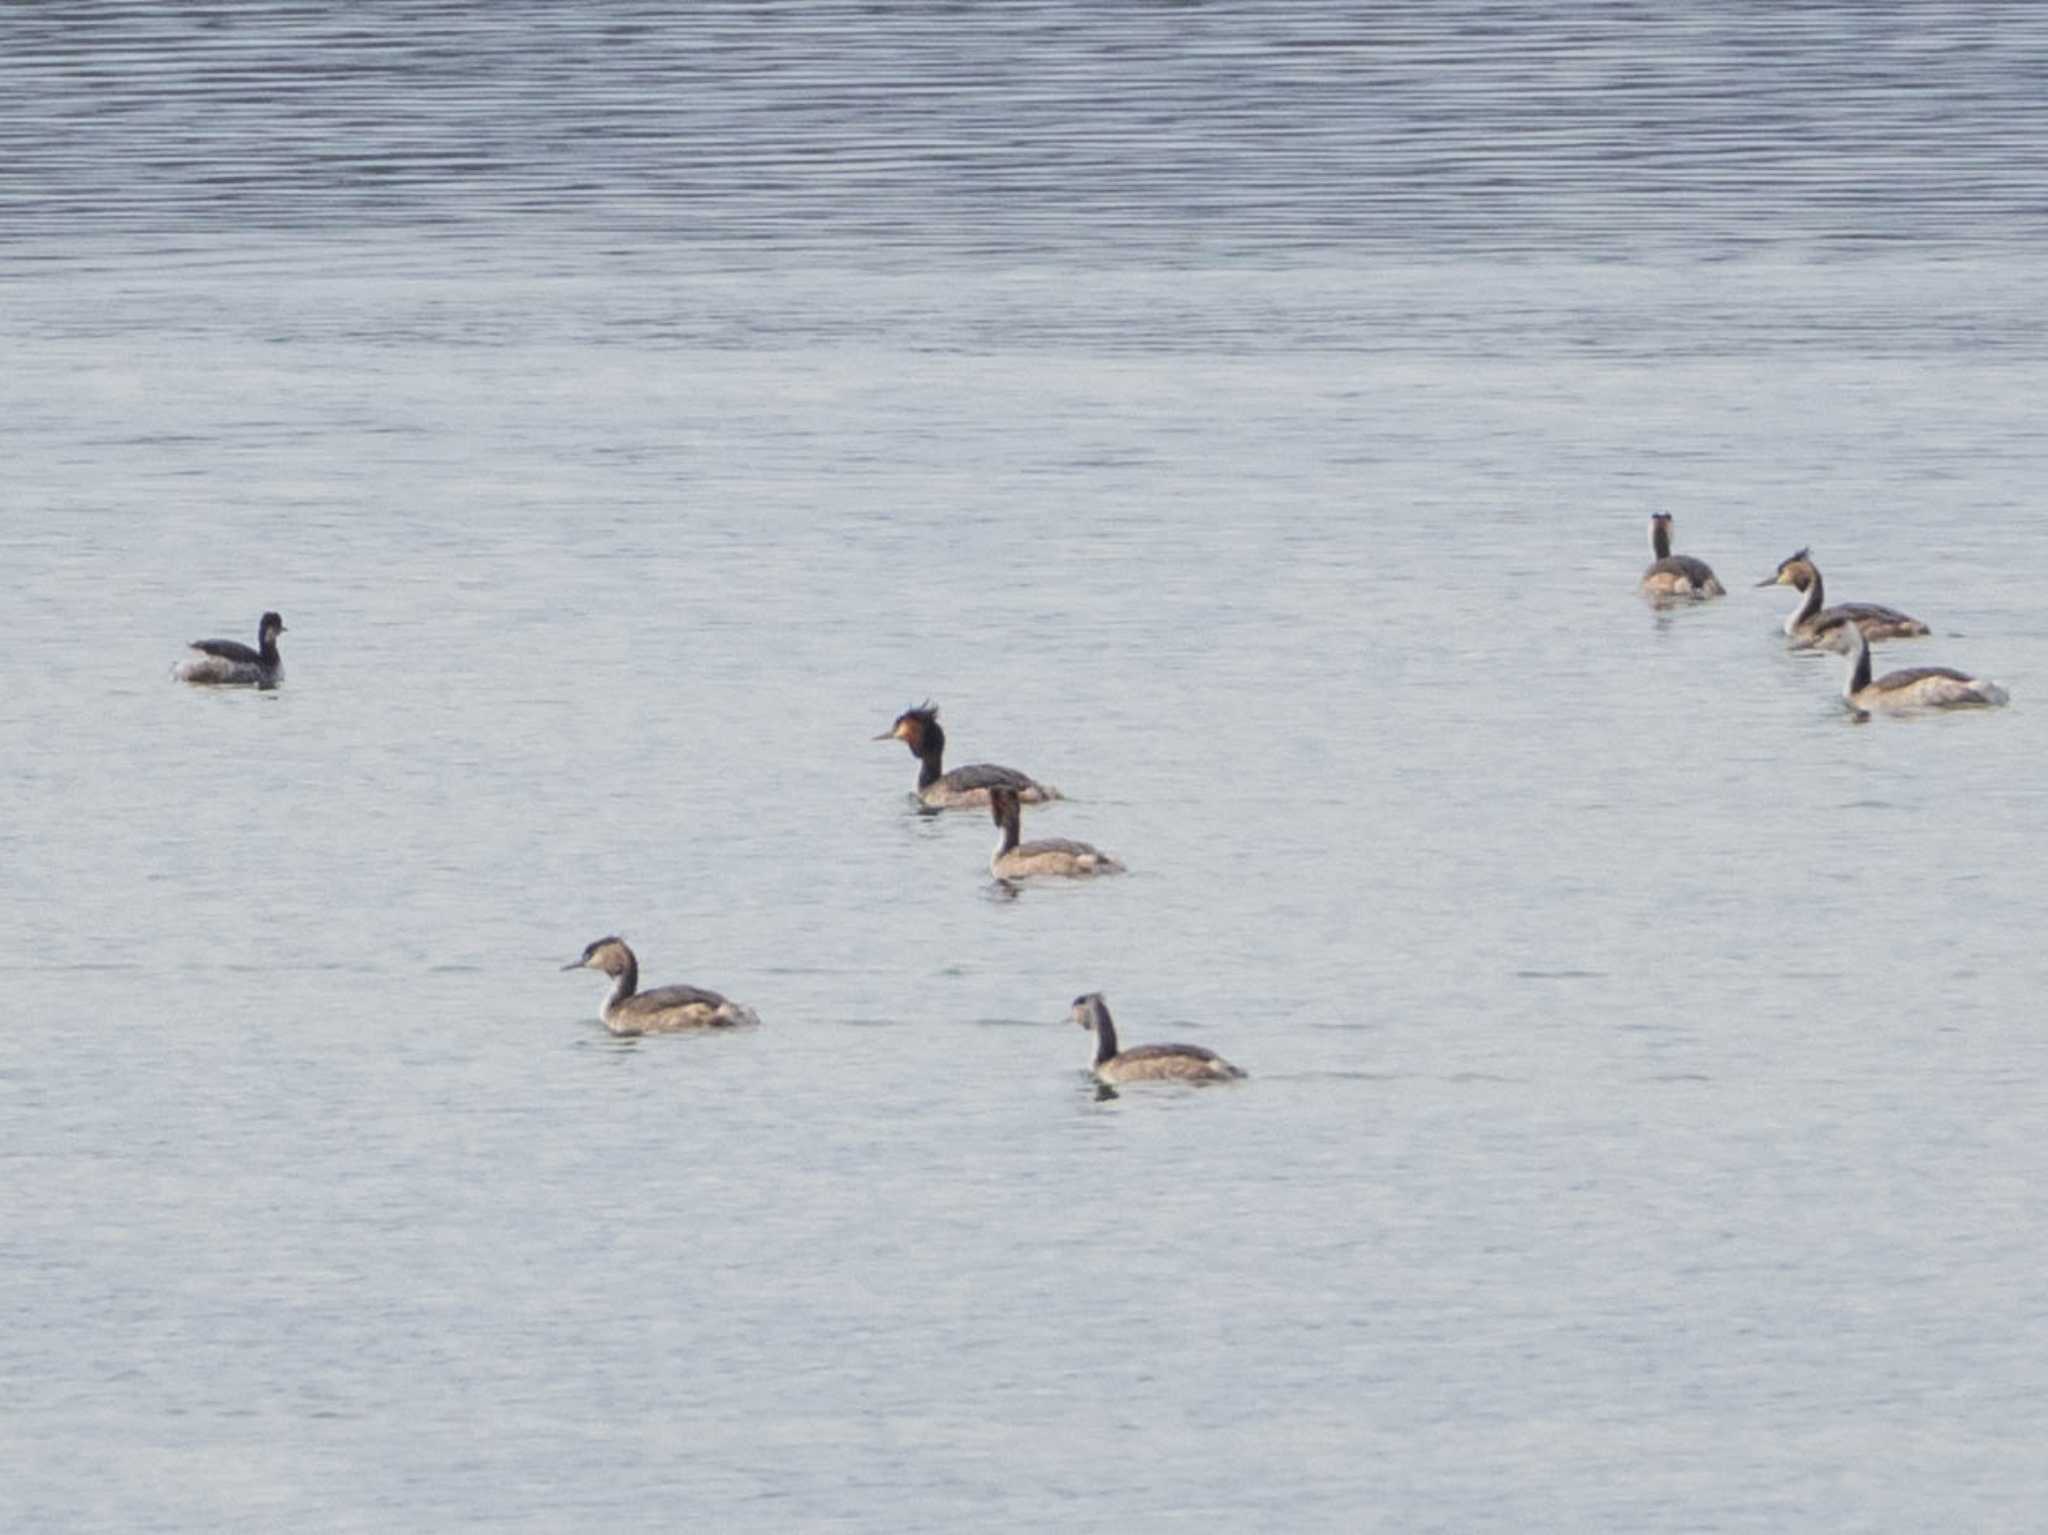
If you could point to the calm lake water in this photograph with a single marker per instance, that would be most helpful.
(1244, 417)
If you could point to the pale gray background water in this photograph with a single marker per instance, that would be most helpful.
(1242, 416)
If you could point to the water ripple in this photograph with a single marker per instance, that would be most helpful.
(1034, 128)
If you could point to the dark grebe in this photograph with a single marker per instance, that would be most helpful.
(964, 788)
(232, 664)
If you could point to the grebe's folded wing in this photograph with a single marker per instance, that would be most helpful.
(986, 775)
(1168, 1053)
(664, 997)
(228, 650)
(1059, 845)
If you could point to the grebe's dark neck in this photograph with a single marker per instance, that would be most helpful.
(1105, 1032)
(931, 755)
(1810, 601)
(627, 981)
(1859, 664)
(1013, 827)
(266, 646)
(1660, 540)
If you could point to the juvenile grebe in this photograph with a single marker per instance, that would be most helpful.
(664, 1010)
(1812, 624)
(1918, 687)
(1147, 1063)
(964, 788)
(1675, 577)
(1055, 855)
(231, 663)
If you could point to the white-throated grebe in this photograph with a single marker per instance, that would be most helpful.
(1812, 624)
(231, 663)
(964, 788)
(1146, 1063)
(664, 1010)
(1917, 687)
(1675, 577)
(1054, 855)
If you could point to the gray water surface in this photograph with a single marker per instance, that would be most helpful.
(1243, 417)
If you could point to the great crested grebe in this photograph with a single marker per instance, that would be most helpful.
(1812, 624)
(1675, 577)
(1146, 1063)
(965, 788)
(1054, 855)
(229, 663)
(666, 1009)
(1917, 687)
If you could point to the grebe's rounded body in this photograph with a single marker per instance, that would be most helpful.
(1675, 577)
(1146, 1063)
(229, 663)
(1813, 625)
(965, 788)
(1917, 687)
(666, 1009)
(1053, 856)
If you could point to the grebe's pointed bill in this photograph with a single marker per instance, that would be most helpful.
(1770, 580)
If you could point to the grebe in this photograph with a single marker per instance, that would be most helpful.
(1675, 577)
(1054, 855)
(230, 663)
(1918, 687)
(964, 788)
(1147, 1063)
(664, 1010)
(1812, 624)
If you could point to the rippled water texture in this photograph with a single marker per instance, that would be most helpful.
(1041, 129)
(1242, 417)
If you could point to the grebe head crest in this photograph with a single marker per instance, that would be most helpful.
(269, 625)
(1085, 1006)
(1002, 803)
(1795, 570)
(608, 954)
(914, 726)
